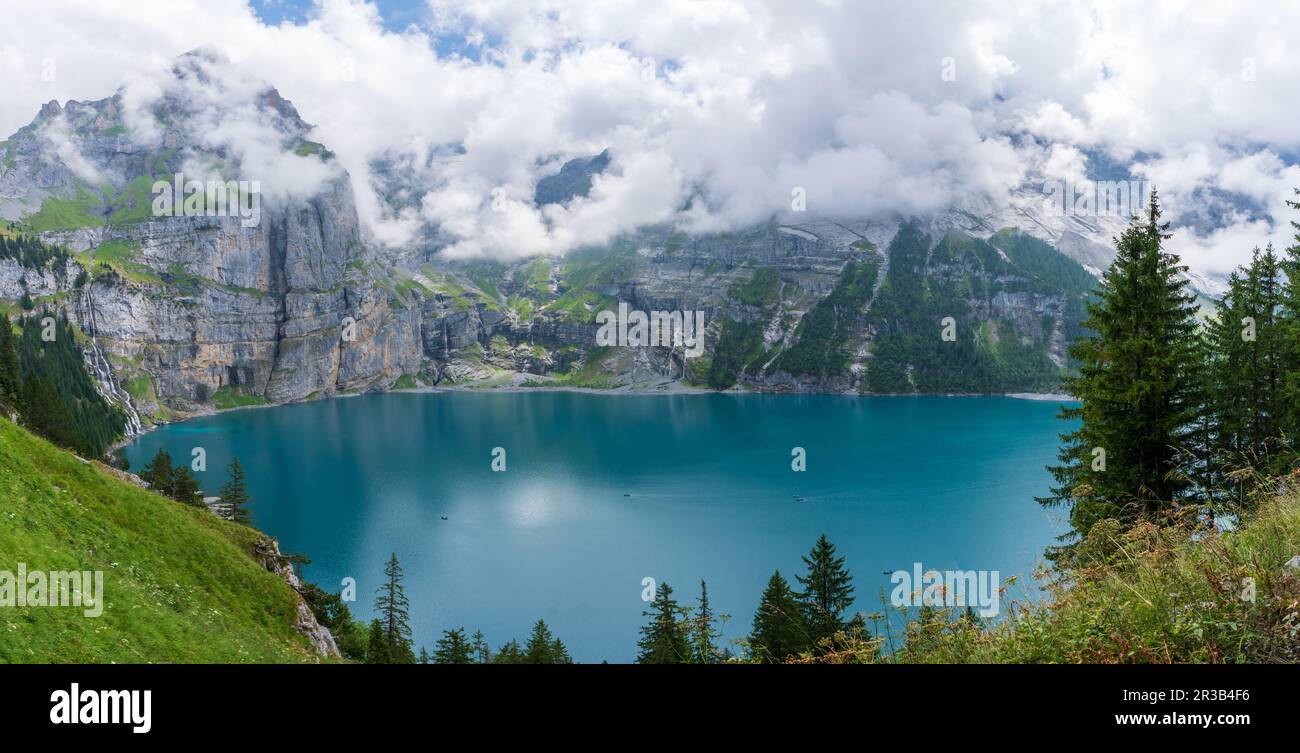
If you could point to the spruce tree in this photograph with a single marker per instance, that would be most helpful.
(1289, 341)
(333, 613)
(560, 653)
(1245, 377)
(538, 648)
(479, 647)
(378, 650)
(184, 487)
(510, 653)
(235, 494)
(1138, 390)
(663, 640)
(10, 371)
(158, 472)
(544, 648)
(424, 656)
(70, 406)
(44, 413)
(779, 629)
(703, 636)
(1269, 361)
(453, 648)
(828, 591)
(394, 613)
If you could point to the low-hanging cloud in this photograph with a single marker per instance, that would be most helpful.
(714, 111)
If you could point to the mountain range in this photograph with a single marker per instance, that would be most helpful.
(184, 313)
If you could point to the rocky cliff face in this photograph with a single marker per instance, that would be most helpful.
(189, 313)
(804, 307)
(267, 553)
(194, 311)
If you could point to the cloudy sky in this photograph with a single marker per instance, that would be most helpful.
(716, 110)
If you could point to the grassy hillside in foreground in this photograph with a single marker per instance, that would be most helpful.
(180, 584)
(1148, 595)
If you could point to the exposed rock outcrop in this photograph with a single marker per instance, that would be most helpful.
(267, 552)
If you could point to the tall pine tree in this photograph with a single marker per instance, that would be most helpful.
(235, 494)
(10, 371)
(378, 651)
(545, 648)
(509, 653)
(1138, 389)
(1289, 414)
(452, 648)
(663, 640)
(479, 647)
(394, 614)
(184, 487)
(44, 413)
(828, 591)
(703, 635)
(1245, 378)
(158, 472)
(779, 630)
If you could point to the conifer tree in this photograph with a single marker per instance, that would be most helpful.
(479, 646)
(378, 651)
(10, 371)
(1245, 377)
(1289, 337)
(1137, 386)
(560, 653)
(828, 591)
(235, 493)
(333, 613)
(663, 640)
(47, 415)
(424, 656)
(158, 472)
(1269, 361)
(703, 635)
(545, 648)
(510, 653)
(779, 630)
(394, 613)
(69, 406)
(184, 487)
(453, 648)
(538, 648)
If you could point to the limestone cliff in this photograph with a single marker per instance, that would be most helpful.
(186, 312)
(193, 311)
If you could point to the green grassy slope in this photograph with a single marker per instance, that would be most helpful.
(1147, 595)
(180, 584)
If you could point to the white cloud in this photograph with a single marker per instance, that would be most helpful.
(59, 137)
(748, 99)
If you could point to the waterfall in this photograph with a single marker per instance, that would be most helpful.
(103, 370)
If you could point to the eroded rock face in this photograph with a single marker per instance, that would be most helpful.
(756, 287)
(197, 312)
(267, 552)
(203, 304)
(16, 279)
(257, 310)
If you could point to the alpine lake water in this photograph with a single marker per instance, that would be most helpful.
(601, 491)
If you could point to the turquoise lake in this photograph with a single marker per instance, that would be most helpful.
(602, 491)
